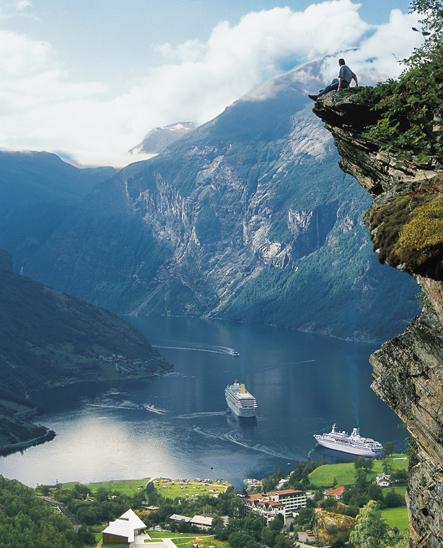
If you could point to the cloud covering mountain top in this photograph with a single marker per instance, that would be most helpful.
(43, 106)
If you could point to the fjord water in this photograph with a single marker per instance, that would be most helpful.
(177, 425)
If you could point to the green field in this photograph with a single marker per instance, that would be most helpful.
(173, 489)
(171, 534)
(127, 487)
(203, 542)
(186, 539)
(344, 473)
(399, 489)
(396, 517)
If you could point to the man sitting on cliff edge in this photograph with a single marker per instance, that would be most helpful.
(345, 77)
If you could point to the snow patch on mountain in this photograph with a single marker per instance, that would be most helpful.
(159, 138)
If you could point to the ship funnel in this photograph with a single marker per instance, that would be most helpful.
(355, 432)
(242, 389)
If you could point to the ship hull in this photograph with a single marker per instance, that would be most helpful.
(241, 413)
(359, 451)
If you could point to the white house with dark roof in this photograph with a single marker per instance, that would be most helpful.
(124, 529)
(383, 480)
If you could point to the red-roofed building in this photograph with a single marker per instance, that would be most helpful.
(284, 502)
(336, 493)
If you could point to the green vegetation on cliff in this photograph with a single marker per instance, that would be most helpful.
(408, 229)
(425, 228)
(409, 109)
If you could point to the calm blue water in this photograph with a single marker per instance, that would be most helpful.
(178, 426)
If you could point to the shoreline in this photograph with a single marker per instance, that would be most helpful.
(20, 446)
(6, 450)
(365, 341)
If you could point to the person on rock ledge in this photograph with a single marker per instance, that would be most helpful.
(345, 77)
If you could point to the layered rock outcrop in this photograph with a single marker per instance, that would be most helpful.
(406, 225)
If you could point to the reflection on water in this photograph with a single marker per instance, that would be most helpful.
(178, 426)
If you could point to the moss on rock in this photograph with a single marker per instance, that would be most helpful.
(425, 229)
(408, 230)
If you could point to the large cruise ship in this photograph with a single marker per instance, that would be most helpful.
(241, 402)
(354, 443)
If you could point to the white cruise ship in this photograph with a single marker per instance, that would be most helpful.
(354, 443)
(241, 402)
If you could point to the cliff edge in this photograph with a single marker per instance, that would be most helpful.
(406, 225)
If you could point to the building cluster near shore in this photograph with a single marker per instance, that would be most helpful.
(285, 502)
(130, 530)
(204, 523)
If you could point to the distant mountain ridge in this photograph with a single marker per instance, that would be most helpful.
(37, 191)
(159, 138)
(246, 218)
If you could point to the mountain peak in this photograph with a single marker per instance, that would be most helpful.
(160, 137)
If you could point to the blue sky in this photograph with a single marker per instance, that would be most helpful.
(114, 40)
(91, 77)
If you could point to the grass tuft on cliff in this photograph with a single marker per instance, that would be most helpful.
(425, 229)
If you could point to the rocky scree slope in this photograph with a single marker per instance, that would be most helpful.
(247, 218)
(406, 225)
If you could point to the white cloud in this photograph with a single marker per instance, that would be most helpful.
(379, 56)
(42, 107)
(21, 5)
(10, 8)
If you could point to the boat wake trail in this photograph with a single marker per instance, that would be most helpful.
(231, 437)
(109, 405)
(212, 349)
(201, 414)
(156, 410)
(129, 405)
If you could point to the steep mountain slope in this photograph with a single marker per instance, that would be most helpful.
(247, 218)
(160, 137)
(48, 338)
(37, 190)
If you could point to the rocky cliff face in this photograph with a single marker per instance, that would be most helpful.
(406, 227)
